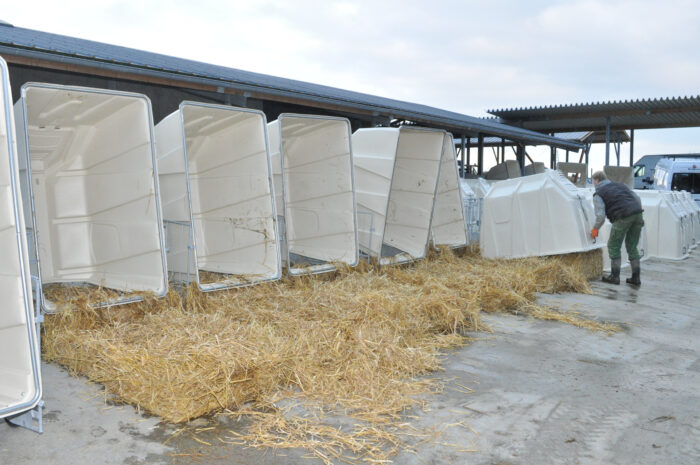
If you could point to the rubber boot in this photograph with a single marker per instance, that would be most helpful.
(636, 271)
(614, 276)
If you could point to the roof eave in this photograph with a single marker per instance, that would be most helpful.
(468, 124)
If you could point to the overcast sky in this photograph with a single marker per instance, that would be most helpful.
(465, 56)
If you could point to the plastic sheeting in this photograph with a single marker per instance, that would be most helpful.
(20, 376)
(666, 236)
(448, 225)
(314, 188)
(542, 214)
(215, 176)
(396, 180)
(93, 189)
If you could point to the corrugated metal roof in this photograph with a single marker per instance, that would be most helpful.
(54, 47)
(592, 137)
(667, 103)
(656, 113)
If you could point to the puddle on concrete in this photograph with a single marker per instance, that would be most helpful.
(51, 415)
(602, 363)
(620, 295)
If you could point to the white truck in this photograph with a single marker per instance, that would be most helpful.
(644, 168)
(678, 175)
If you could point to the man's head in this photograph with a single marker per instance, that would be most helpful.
(598, 176)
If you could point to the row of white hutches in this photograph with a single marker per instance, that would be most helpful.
(224, 180)
(545, 214)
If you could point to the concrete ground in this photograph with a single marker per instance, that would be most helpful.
(543, 393)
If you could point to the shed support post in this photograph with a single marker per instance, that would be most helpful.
(607, 141)
(567, 156)
(469, 160)
(631, 147)
(463, 155)
(521, 158)
(480, 155)
(553, 157)
(503, 150)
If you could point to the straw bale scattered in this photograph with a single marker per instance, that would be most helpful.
(359, 340)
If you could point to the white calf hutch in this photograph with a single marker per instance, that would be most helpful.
(217, 195)
(396, 182)
(312, 164)
(88, 159)
(448, 226)
(542, 214)
(666, 235)
(20, 375)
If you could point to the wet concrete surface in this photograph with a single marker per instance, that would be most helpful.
(531, 392)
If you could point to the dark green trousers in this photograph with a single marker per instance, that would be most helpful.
(628, 229)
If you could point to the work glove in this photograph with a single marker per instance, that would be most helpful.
(594, 233)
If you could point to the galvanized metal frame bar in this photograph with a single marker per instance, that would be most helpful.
(527, 155)
(631, 147)
(33, 419)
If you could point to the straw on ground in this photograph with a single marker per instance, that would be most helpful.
(358, 342)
